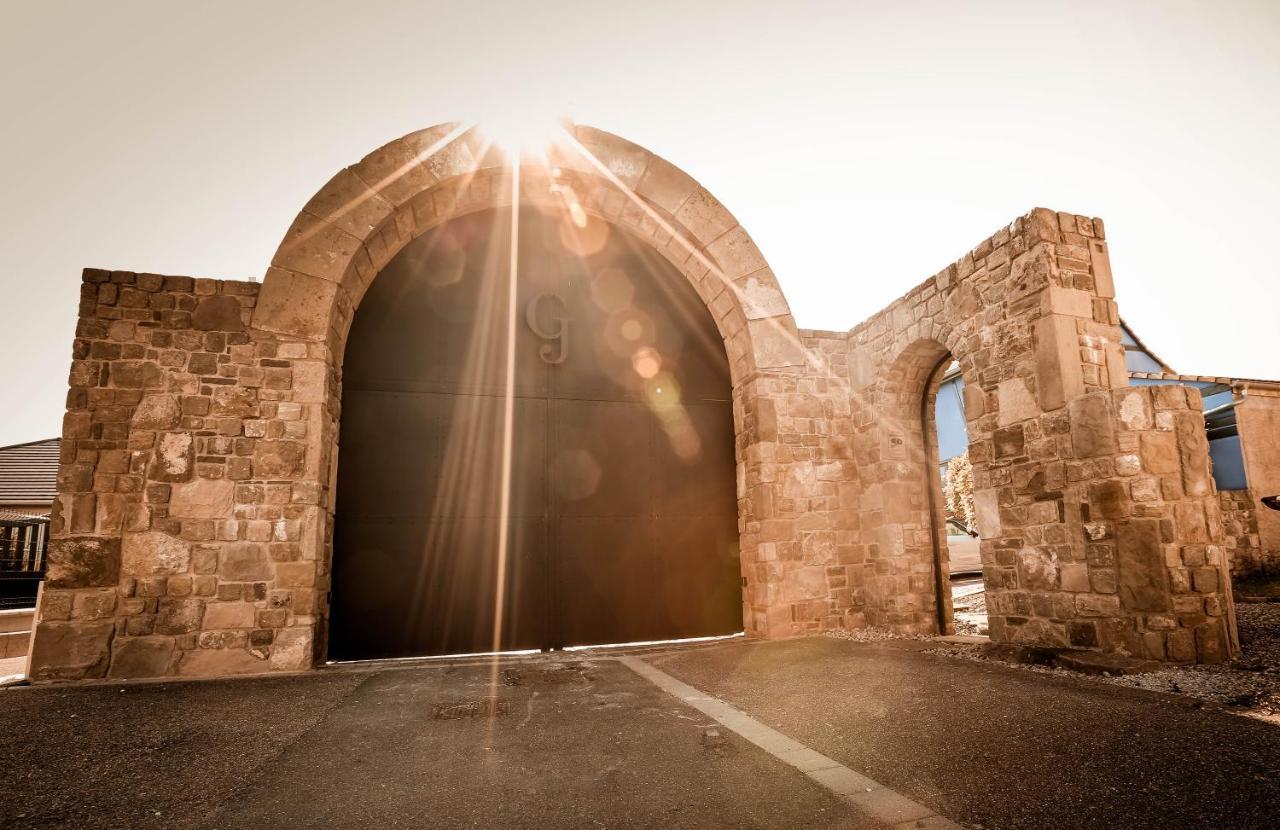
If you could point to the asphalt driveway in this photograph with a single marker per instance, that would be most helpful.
(583, 741)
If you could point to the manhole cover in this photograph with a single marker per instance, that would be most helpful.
(486, 707)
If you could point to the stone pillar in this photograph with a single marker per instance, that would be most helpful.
(1258, 420)
(180, 533)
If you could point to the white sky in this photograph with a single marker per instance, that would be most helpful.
(863, 145)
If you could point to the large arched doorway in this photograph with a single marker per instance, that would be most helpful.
(622, 517)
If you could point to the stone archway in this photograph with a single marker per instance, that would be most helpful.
(368, 212)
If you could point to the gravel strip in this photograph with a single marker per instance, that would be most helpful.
(872, 635)
(1248, 686)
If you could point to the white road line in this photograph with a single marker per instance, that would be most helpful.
(873, 799)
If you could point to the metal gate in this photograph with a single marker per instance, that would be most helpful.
(622, 517)
(24, 546)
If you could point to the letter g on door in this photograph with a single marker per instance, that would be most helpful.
(557, 338)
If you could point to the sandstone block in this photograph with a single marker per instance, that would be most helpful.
(775, 343)
(179, 615)
(174, 457)
(1092, 428)
(137, 657)
(209, 662)
(93, 605)
(1135, 411)
(220, 615)
(203, 498)
(278, 459)
(1016, 403)
(292, 649)
(295, 304)
(154, 554)
(244, 562)
(295, 574)
(71, 650)
(666, 185)
(704, 217)
(1140, 566)
(83, 562)
(1193, 452)
(219, 312)
(760, 296)
(157, 411)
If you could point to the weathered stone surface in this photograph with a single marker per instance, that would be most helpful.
(234, 401)
(203, 498)
(1193, 452)
(137, 374)
(1135, 411)
(761, 297)
(137, 657)
(1092, 428)
(71, 650)
(295, 304)
(154, 554)
(179, 615)
(1038, 569)
(83, 562)
(244, 562)
(1108, 500)
(292, 650)
(1016, 403)
(219, 662)
(217, 313)
(218, 615)
(1140, 563)
(775, 342)
(174, 457)
(278, 459)
(157, 411)
(1009, 442)
(987, 507)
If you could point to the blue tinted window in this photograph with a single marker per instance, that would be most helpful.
(1228, 463)
(953, 439)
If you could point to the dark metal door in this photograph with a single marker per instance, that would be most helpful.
(622, 516)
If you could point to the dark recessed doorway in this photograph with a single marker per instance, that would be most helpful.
(622, 512)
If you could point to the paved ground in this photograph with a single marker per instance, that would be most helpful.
(1001, 747)
(578, 742)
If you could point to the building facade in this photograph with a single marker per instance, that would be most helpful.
(198, 493)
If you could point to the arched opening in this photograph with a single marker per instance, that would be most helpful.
(961, 596)
(924, 543)
(614, 518)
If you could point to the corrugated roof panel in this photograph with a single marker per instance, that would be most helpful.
(29, 472)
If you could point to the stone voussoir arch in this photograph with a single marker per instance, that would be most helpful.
(349, 230)
(367, 213)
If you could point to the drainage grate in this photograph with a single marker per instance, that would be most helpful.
(485, 707)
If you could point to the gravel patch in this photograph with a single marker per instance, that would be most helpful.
(872, 635)
(970, 613)
(1248, 686)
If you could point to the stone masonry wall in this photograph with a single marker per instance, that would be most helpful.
(797, 514)
(1030, 317)
(1258, 419)
(192, 531)
(177, 532)
(1240, 532)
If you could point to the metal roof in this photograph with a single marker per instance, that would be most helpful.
(29, 472)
